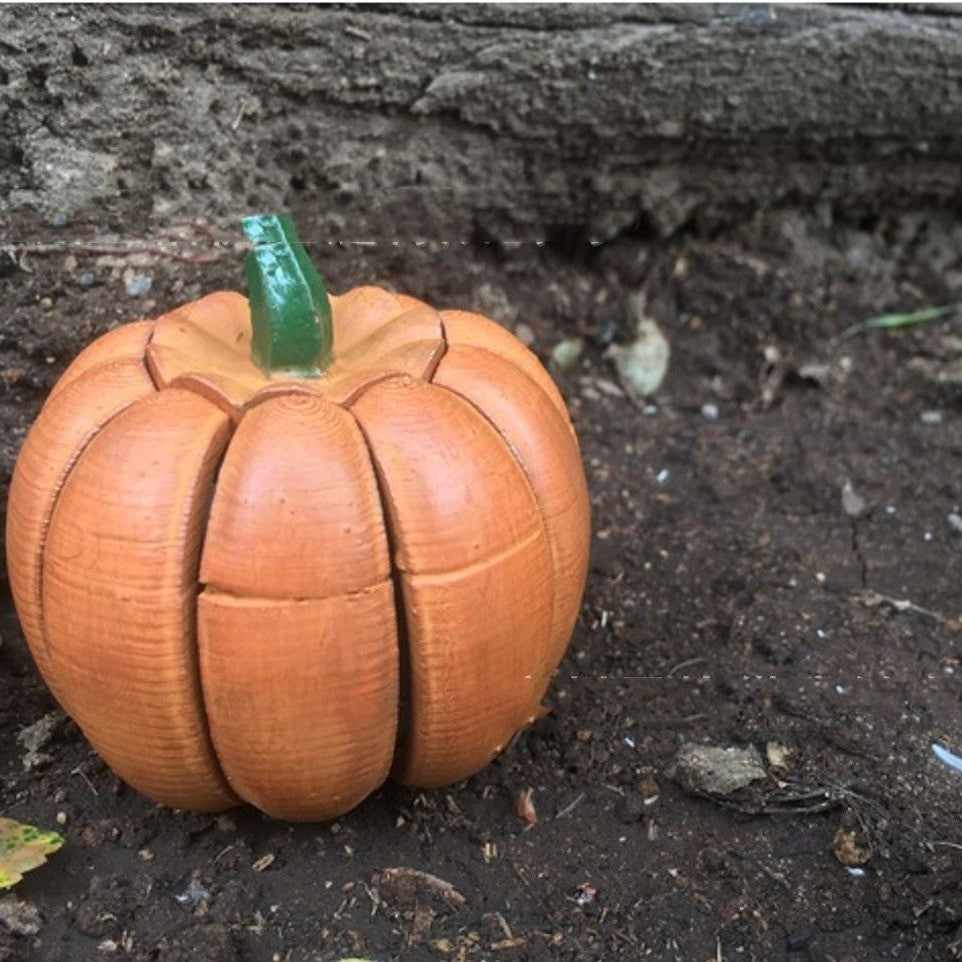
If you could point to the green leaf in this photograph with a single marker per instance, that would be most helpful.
(889, 321)
(23, 847)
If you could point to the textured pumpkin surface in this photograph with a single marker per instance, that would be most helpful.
(285, 590)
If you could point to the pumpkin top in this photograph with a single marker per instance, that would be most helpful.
(206, 346)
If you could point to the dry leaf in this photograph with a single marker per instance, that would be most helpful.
(849, 849)
(524, 806)
(23, 847)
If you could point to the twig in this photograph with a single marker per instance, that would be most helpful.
(571, 806)
(104, 248)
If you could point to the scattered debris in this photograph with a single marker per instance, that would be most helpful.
(585, 894)
(524, 807)
(264, 862)
(946, 757)
(872, 599)
(137, 285)
(565, 353)
(851, 847)
(889, 321)
(524, 334)
(712, 770)
(34, 738)
(571, 806)
(777, 755)
(642, 365)
(770, 376)
(20, 918)
(403, 885)
(193, 895)
(852, 503)
(22, 848)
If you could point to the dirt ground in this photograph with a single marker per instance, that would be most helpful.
(736, 598)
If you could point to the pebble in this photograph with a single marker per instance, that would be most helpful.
(710, 411)
(565, 353)
(524, 334)
(138, 285)
(86, 279)
(932, 417)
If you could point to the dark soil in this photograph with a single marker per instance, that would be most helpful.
(732, 600)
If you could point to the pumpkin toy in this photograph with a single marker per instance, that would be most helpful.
(276, 551)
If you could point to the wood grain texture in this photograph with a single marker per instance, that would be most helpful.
(222, 573)
(473, 562)
(296, 513)
(302, 697)
(541, 441)
(465, 329)
(127, 342)
(119, 595)
(68, 422)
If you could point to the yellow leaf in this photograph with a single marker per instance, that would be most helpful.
(23, 847)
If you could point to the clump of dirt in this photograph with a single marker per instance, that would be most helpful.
(735, 600)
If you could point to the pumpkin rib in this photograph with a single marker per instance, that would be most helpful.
(320, 678)
(33, 531)
(127, 342)
(540, 443)
(473, 568)
(296, 619)
(467, 329)
(120, 586)
(402, 724)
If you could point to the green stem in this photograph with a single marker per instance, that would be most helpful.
(290, 311)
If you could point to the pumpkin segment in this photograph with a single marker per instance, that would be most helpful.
(474, 570)
(127, 342)
(464, 329)
(539, 438)
(120, 595)
(214, 360)
(301, 697)
(297, 624)
(69, 420)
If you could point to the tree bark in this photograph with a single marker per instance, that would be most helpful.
(510, 122)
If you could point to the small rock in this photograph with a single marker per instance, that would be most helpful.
(778, 755)
(709, 411)
(565, 353)
(58, 220)
(86, 279)
(712, 770)
(932, 417)
(20, 918)
(630, 808)
(137, 285)
(524, 334)
(955, 522)
(852, 503)
(494, 302)
(34, 738)
(642, 365)
(193, 895)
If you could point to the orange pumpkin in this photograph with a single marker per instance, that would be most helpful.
(282, 576)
